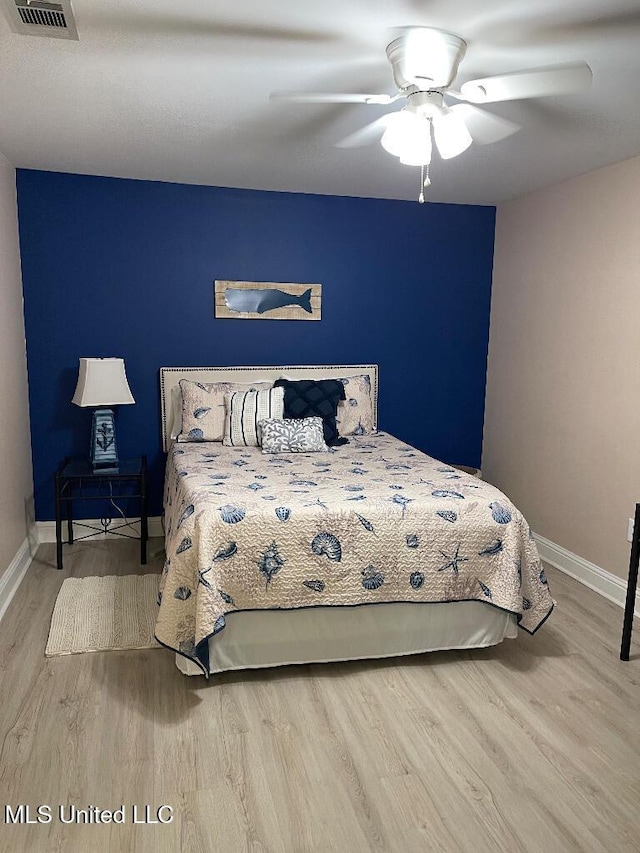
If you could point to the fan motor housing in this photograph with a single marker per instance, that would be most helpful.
(425, 104)
(425, 58)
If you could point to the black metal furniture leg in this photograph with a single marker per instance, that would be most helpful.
(70, 514)
(144, 532)
(58, 523)
(632, 585)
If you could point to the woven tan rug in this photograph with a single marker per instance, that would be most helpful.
(104, 614)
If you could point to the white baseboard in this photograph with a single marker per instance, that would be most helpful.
(47, 529)
(599, 580)
(12, 577)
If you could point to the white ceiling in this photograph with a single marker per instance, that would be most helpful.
(179, 91)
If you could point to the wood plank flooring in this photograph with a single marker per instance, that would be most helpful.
(533, 745)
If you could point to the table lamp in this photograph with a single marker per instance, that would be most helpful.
(102, 382)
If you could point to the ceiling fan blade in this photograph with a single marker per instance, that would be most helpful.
(153, 22)
(557, 80)
(485, 128)
(331, 98)
(366, 135)
(540, 29)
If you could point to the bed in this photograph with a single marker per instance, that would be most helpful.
(371, 550)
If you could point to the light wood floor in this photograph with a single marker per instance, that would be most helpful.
(530, 746)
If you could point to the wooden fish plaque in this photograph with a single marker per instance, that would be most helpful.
(267, 300)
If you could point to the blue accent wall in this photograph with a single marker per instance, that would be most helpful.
(115, 267)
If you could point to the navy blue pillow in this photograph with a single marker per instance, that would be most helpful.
(309, 398)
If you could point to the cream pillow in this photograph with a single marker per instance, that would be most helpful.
(355, 413)
(203, 412)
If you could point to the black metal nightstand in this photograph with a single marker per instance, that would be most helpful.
(76, 480)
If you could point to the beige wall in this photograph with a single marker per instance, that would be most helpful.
(16, 483)
(562, 423)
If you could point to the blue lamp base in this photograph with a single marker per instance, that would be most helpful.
(104, 452)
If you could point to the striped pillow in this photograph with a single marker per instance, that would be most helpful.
(243, 410)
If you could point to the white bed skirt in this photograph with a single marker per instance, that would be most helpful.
(262, 638)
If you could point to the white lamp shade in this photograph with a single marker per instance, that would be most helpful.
(417, 147)
(408, 137)
(451, 134)
(400, 126)
(102, 382)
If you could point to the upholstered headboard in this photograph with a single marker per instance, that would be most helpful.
(170, 378)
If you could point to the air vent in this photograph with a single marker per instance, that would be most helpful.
(39, 18)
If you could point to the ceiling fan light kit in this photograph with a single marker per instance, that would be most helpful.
(425, 62)
(408, 132)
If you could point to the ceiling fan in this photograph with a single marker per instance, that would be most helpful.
(424, 63)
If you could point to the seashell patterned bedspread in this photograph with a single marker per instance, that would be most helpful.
(373, 521)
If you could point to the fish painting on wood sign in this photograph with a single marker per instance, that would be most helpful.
(266, 300)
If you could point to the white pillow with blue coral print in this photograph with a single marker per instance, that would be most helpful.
(203, 412)
(292, 435)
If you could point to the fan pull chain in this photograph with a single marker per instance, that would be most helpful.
(425, 182)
